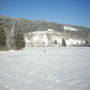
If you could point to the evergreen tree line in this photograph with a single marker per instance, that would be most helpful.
(17, 38)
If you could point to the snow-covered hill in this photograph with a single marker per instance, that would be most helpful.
(51, 38)
(44, 33)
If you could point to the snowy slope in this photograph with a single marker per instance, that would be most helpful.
(70, 28)
(48, 38)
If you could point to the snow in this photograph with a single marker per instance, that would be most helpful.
(71, 42)
(39, 32)
(39, 39)
(44, 32)
(51, 30)
(47, 38)
(58, 68)
(70, 28)
(27, 40)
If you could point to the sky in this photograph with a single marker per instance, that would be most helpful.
(74, 12)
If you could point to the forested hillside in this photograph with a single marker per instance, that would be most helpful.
(15, 33)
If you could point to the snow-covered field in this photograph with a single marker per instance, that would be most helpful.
(45, 69)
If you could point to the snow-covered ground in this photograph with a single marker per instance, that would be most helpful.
(45, 69)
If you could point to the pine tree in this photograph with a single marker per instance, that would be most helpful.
(55, 42)
(86, 43)
(63, 43)
(2, 36)
(19, 41)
